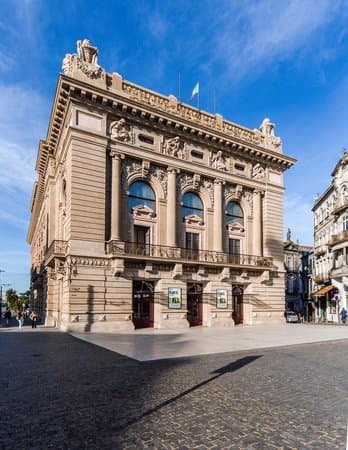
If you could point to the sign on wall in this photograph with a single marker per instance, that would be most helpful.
(221, 298)
(174, 298)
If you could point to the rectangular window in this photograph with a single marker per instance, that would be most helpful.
(142, 240)
(234, 246)
(192, 241)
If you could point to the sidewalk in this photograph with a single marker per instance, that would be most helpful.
(150, 344)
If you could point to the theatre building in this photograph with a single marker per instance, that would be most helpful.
(148, 212)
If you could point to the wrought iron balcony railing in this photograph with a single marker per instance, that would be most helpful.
(56, 249)
(178, 254)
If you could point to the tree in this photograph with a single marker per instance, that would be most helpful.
(24, 298)
(12, 299)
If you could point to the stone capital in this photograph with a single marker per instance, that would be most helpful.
(116, 155)
(172, 170)
(259, 192)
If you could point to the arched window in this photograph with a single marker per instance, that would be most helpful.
(191, 205)
(234, 213)
(345, 222)
(141, 194)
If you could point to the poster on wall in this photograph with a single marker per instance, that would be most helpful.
(221, 298)
(174, 297)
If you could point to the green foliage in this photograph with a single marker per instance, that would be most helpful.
(12, 299)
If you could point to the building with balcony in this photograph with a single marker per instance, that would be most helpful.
(296, 274)
(150, 213)
(330, 245)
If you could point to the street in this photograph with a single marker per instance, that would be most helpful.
(63, 393)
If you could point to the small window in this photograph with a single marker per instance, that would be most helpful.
(198, 155)
(345, 223)
(145, 138)
(239, 167)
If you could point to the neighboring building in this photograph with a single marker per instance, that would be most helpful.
(294, 273)
(331, 245)
(150, 213)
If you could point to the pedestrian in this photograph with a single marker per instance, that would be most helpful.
(7, 316)
(33, 318)
(20, 319)
(343, 315)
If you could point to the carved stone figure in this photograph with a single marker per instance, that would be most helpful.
(267, 129)
(288, 235)
(87, 52)
(85, 61)
(218, 161)
(171, 146)
(258, 171)
(119, 131)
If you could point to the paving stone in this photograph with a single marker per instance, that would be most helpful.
(75, 395)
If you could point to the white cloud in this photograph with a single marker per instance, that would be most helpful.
(260, 33)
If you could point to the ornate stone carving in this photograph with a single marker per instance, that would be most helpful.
(162, 177)
(86, 61)
(233, 191)
(86, 261)
(118, 130)
(218, 161)
(129, 167)
(258, 171)
(196, 182)
(267, 130)
(174, 147)
(145, 168)
(248, 195)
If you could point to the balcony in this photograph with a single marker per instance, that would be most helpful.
(183, 255)
(320, 250)
(338, 238)
(56, 250)
(340, 205)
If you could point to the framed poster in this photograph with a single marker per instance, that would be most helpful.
(174, 298)
(221, 298)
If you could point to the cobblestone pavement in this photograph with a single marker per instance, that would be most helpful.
(58, 392)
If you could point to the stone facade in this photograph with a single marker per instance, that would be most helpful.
(148, 212)
(296, 274)
(331, 245)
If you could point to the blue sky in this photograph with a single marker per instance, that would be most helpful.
(282, 59)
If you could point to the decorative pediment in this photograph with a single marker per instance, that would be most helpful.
(235, 227)
(193, 219)
(143, 211)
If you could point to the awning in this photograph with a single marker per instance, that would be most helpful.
(322, 291)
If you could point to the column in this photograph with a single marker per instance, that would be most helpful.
(257, 223)
(115, 196)
(218, 216)
(171, 208)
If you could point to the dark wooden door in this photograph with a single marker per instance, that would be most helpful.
(237, 304)
(194, 304)
(143, 304)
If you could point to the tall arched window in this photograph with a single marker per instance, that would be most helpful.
(234, 213)
(141, 194)
(191, 205)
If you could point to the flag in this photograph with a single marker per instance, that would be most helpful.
(195, 91)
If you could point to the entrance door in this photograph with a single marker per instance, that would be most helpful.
(237, 302)
(194, 304)
(143, 305)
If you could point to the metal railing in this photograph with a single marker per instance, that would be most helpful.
(183, 254)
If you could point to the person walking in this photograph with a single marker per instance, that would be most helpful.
(343, 315)
(20, 319)
(33, 318)
(7, 316)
